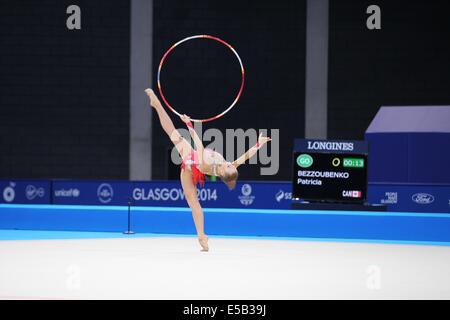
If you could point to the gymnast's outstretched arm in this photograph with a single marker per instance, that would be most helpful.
(198, 142)
(252, 151)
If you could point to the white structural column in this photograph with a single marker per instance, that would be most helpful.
(316, 69)
(140, 78)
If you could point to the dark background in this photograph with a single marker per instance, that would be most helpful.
(270, 39)
(404, 63)
(64, 96)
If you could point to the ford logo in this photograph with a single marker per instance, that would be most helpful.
(422, 198)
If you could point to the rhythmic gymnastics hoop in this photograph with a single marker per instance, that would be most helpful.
(201, 37)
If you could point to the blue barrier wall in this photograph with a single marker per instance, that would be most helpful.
(411, 197)
(332, 225)
(247, 195)
(82, 192)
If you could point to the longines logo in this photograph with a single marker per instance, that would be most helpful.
(328, 145)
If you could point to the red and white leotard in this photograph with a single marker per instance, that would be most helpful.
(191, 162)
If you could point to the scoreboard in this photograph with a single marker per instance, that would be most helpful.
(330, 170)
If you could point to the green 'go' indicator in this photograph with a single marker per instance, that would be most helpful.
(353, 163)
(304, 160)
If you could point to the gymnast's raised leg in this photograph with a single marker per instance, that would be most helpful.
(184, 149)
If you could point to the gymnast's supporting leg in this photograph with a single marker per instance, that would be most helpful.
(197, 212)
(183, 148)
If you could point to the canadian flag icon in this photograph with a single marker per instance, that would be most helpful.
(356, 194)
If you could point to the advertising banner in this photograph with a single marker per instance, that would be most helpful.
(91, 192)
(25, 191)
(410, 197)
(170, 194)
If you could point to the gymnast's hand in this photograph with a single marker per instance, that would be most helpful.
(262, 140)
(186, 119)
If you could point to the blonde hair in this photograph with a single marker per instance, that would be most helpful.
(230, 179)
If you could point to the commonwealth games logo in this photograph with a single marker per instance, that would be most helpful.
(246, 198)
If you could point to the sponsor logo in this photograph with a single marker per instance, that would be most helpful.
(172, 194)
(31, 192)
(304, 160)
(422, 198)
(69, 193)
(282, 195)
(9, 194)
(390, 198)
(327, 145)
(246, 198)
(105, 193)
(279, 196)
(352, 194)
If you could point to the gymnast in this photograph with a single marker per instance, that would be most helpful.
(196, 163)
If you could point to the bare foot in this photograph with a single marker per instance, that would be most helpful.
(203, 240)
(152, 96)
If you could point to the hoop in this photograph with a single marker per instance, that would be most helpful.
(196, 37)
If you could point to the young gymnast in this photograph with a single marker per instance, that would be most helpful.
(196, 163)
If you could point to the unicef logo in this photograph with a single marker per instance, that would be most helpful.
(304, 160)
(76, 193)
(73, 192)
(422, 198)
(9, 194)
(105, 193)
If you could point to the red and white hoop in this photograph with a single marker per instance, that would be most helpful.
(202, 37)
